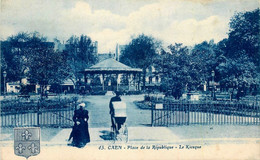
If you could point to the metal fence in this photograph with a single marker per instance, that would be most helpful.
(185, 113)
(40, 114)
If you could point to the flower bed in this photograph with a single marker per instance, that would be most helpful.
(19, 106)
(143, 104)
(98, 92)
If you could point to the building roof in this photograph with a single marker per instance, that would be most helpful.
(68, 82)
(13, 83)
(112, 66)
(104, 56)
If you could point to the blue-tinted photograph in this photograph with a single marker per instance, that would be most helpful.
(128, 79)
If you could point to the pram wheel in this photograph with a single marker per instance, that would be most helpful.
(120, 131)
(113, 134)
(125, 133)
(121, 134)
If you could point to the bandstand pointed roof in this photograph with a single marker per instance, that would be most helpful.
(111, 66)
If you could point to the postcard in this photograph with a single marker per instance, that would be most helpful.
(128, 79)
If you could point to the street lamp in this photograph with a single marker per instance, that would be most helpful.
(4, 75)
(213, 82)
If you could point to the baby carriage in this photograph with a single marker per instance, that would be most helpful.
(119, 131)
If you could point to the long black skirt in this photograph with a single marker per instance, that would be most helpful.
(80, 135)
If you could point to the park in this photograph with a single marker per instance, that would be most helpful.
(198, 99)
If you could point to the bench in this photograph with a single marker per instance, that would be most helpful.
(52, 94)
(49, 95)
(24, 96)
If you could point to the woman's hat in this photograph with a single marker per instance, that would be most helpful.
(117, 93)
(82, 105)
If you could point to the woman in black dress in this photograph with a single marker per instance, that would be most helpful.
(80, 132)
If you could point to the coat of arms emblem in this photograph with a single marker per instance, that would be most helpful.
(27, 141)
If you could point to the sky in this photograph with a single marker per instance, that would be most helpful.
(112, 22)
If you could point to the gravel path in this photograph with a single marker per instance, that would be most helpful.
(99, 111)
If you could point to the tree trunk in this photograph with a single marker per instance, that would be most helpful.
(144, 75)
(41, 91)
(74, 84)
(43, 94)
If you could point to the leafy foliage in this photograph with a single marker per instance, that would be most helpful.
(244, 36)
(204, 60)
(46, 67)
(140, 53)
(29, 55)
(239, 68)
(13, 52)
(174, 66)
(184, 69)
(80, 54)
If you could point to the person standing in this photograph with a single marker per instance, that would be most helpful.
(80, 132)
(112, 110)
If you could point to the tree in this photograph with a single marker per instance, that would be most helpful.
(13, 52)
(183, 69)
(140, 53)
(238, 73)
(46, 67)
(176, 71)
(205, 58)
(29, 55)
(80, 55)
(239, 67)
(243, 36)
(3, 66)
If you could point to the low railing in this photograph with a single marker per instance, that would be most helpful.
(185, 113)
(37, 113)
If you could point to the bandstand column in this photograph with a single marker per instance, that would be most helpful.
(85, 78)
(103, 81)
(116, 82)
(128, 77)
(139, 79)
(135, 80)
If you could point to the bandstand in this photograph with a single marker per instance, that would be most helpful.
(112, 69)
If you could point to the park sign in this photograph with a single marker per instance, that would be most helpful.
(27, 141)
(158, 106)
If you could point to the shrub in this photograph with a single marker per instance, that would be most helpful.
(98, 92)
(133, 92)
(19, 106)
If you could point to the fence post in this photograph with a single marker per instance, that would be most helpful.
(75, 104)
(38, 114)
(167, 108)
(188, 111)
(152, 108)
(16, 112)
(59, 113)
